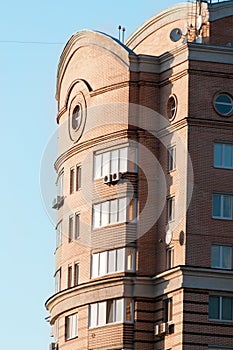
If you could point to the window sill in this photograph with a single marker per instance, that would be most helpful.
(220, 321)
(222, 167)
(221, 218)
(111, 324)
(68, 339)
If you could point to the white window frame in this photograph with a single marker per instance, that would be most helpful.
(102, 215)
(169, 258)
(60, 184)
(170, 209)
(72, 180)
(111, 162)
(59, 234)
(76, 273)
(222, 197)
(221, 319)
(171, 158)
(57, 277)
(98, 312)
(221, 256)
(71, 228)
(100, 262)
(71, 325)
(223, 155)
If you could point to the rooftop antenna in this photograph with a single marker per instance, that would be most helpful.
(119, 28)
(123, 34)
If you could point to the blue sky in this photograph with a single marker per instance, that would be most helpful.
(32, 37)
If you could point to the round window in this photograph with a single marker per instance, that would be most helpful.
(76, 117)
(223, 104)
(171, 107)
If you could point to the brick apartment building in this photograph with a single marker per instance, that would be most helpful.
(145, 186)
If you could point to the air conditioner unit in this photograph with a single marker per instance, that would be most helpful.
(107, 178)
(116, 177)
(53, 346)
(157, 329)
(57, 202)
(54, 203)
(162, 328)
(170, 328)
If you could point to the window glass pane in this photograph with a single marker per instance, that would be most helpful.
(132, 159)
(93, 315)
(113, 211)
(58, 281)
(170, 208)
(60, 185)
(228, 156)
(71, 227)
(103, 263)
(215, 256)
(69, 284)
(105, 214)
(76, 226)
(114, 162)
(217, 154)
(227, 206)
(119, 310)
(59, 234)
(74, 325)
(102, 313)
(226, 309)
(216, 205)
(98, 166)
(129, 259)
(214, 308)
(111, 261)
(171, 158)
(226, 257)
(106, 163)
(123, 160)
(110, 310)
(169, 258)
(78, 178)
(128, 310)
(71, 180)
(96, 215)
(120, 259)
(122, 204)
(76, 274)
(132, 209)
(95, 265)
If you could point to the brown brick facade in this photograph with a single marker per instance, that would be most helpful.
(149, 292)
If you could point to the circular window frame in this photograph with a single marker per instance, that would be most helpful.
(78, 100)
(223, 93)
(77, 106)
(172, 111)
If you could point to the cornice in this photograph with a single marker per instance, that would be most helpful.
(83, 146)
(110, 88)
(210, 53)
(211, 123)
(180, 277)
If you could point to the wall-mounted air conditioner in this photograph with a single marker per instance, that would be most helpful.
(107, 179)
(53, 346)
(116, 177)
(57, 202)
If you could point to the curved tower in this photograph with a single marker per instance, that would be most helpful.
(144, 218)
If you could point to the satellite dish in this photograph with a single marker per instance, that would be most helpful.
(168, 237)
(199, 22)
(176, 34)
(185, 30)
